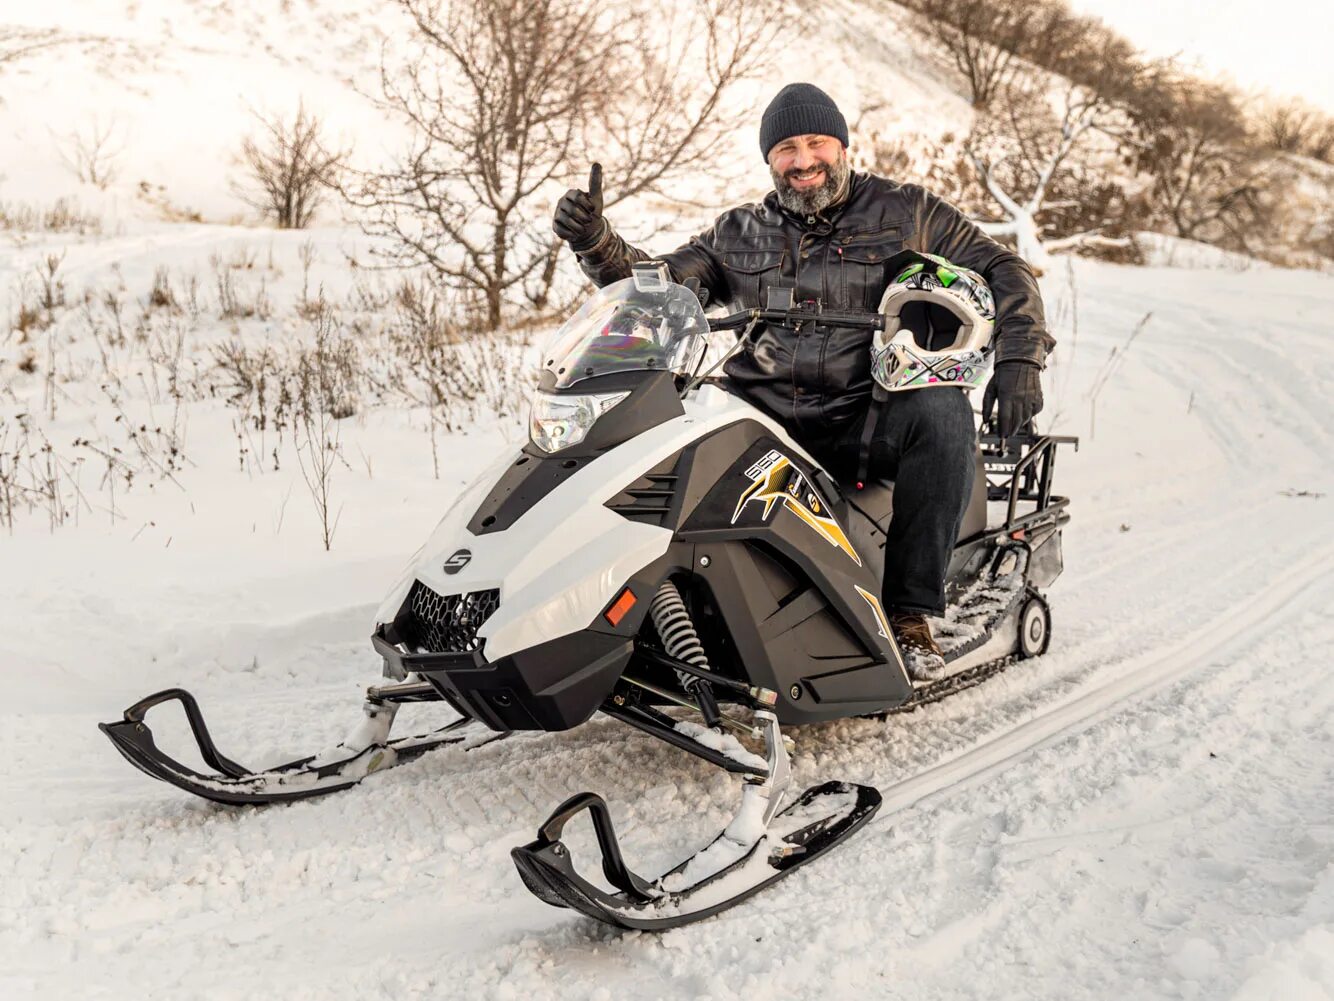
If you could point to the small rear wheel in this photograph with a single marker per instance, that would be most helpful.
(1034, 627)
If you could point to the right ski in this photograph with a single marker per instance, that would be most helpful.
(367, 749)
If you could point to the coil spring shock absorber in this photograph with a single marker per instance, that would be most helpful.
(672, 620)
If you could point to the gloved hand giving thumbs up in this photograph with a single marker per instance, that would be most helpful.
(578, 218)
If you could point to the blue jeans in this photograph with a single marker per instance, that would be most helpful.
(924, 442)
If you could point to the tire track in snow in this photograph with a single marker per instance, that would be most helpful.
(1137, 678)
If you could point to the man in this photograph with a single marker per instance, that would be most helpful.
(826, 233)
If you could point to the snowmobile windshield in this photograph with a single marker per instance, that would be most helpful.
(632, 325)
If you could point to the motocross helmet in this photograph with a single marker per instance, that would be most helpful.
(938, 325)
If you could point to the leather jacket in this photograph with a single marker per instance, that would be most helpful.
(818, 379)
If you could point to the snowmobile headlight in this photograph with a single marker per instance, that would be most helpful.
(559, 421)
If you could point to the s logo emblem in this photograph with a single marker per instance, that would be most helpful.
(458, 561)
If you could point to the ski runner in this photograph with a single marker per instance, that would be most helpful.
(826, 232)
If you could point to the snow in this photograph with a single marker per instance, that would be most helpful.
(1144, 809)
(1147, 810)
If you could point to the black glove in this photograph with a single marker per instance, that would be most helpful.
(578, 218)
(1017, 386)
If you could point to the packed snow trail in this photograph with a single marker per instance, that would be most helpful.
(1147, 809)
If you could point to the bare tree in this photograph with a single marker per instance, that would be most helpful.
(505, 98)
(982, 38)
(289, 168)
(1320, 144)
(1209, 182)
(1286, 125)
(91, 152)
(1043, 156)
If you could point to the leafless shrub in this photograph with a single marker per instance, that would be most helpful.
(233, 302)
(1320, 142)
(33, 476)
(157, 197)
(502, 98)
(62, 216)
(436, 359)
(161, 296)
(1208, 182)
(278, 391)
(38, 296)
(91, 152)
(290, 167)
(19, 43)
(936, 162)
(318, 452)
(52, 285)
(1286, 125)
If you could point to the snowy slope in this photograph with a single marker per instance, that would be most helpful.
(177, 84)
(1146, 811)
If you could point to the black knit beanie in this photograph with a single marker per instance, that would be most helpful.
(800, 109)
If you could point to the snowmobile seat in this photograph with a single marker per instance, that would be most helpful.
(876, 502)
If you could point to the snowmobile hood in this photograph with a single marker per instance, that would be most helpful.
(563, 561)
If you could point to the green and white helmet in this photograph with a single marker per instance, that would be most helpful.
(938, 325)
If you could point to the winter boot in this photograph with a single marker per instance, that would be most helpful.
(921, 655)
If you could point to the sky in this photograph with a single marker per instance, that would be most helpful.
(1283, 48)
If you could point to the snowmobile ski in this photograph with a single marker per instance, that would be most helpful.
(367, 749)
(760, 846)
(821, 818)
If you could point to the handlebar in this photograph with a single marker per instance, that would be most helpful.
(799, 315)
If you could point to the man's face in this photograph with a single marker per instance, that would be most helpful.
(808, 172)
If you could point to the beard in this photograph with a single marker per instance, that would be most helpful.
(812, 200)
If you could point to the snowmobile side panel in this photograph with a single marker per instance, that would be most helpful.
(798, 599)
(821, 818)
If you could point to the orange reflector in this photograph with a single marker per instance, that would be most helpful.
(620, 606)
(1018, 536)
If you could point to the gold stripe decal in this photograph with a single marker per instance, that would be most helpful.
(773, 480)
(876, 609)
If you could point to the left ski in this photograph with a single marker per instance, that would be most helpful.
(367, 749)
(725, 873)
(759, 847)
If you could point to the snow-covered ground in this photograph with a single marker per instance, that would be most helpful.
(1146, 811)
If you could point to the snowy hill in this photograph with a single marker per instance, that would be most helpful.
(1145, 811)
(177, 85)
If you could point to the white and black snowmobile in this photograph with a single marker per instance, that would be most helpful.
(664, 553)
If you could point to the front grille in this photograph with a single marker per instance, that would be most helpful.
(435, 623)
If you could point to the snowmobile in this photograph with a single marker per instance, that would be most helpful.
(662, 552)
